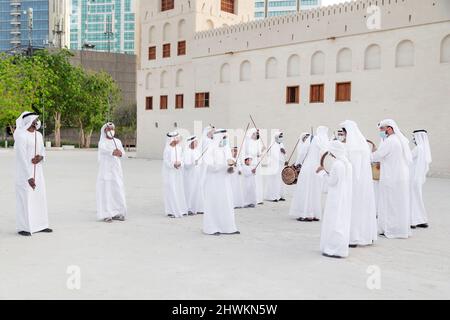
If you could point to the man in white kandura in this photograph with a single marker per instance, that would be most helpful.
(363, 229)
(219, 206)
(111, 203)
(421, 164)
(335, 234)
(253, 147)
(307, 201)
(236, 181)
(192, 176)
(302, 148)
(207, 136)
(394, 155)
(174, 197)
(31, 200)
(276, 160)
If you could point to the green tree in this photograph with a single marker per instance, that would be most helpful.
(125, 119)
(62, 89)
(98, 95)
(24, 84)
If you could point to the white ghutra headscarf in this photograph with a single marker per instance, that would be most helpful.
(23, 122)
(403, 140)
(423, 159)
(356, 145)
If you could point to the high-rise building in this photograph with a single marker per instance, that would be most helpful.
(104, 25)
(269, 8)
(25, 21)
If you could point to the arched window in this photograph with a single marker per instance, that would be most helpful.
(166, 32)
(225, 73)
(148, 81)
(445, 49)
(293, 66)
(151, 34)
(245, 72)
(318, 63)
(209, 24)
(405, 55)
(372, 57)
(271, 68)
(164, 79)
(179, 79)
(344, 60)
(182, 29)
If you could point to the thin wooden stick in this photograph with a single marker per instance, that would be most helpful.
(296, 145)
(263, 156)
(254, 124)
(35, 154)
(203, 153)
(242, 143)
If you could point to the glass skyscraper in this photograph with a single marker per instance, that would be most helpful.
(109, 25)
(14, 31)
(272, 8)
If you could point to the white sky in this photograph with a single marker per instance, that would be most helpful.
(328, 2)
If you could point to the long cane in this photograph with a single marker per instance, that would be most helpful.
(296, 145)
(35, 154)
(201, 156)
(242, 143)
(264, 155)
(176, 155)
(254, 124)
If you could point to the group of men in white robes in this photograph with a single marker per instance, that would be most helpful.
(197, 176)
(210, 177)
(350, 216)
(199, 179)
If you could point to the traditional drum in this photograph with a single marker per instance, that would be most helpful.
(327, 161)
(290, 175)
(376, 171)
(375, 165)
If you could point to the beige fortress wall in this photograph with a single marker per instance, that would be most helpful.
(417, 96)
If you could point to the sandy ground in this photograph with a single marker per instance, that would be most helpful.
(152, 257)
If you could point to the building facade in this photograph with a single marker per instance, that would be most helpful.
(14, 24)
(270, 8)
(50, 27)
(109, 25)
(317, 67)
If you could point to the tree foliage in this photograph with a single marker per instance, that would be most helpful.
(48, 82)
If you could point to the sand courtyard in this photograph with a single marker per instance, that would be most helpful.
(150, 256)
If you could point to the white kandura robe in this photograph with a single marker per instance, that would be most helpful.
(249, 185)
(274, 185)
(31, 205)
(394, 189)
(335, 232)
(307, 200)
(219, 206)
(419, 169)
(302, 151)
(363, 229)
(174, 196)
(236, 185)
(254, 149)
(110, 186)
(192, 178)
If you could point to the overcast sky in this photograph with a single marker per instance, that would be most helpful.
(328, 2)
